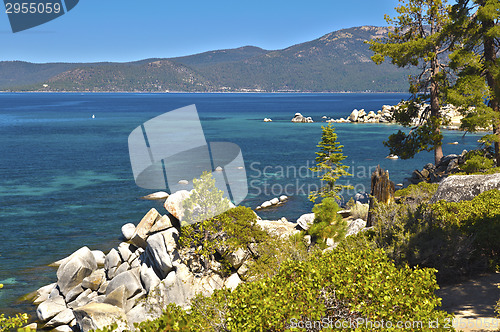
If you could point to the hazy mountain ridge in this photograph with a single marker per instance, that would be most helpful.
(338, 61)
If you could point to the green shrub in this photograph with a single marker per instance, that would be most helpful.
(479, 219)
(233, 229)
(358, 211)
(205, 314)
(205, 202)
(418, 193)
(275, 251)
(174, 318)
(493, 170)
(11, 323)
(455, 238)
(339, 285)
(477, 164)
(328, 224)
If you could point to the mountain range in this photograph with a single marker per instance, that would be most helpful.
(336, 62)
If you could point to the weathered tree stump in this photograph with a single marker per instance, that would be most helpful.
(382, 191)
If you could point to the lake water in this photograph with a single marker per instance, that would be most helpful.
(66, 179)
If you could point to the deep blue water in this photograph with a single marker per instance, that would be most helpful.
(66, 179)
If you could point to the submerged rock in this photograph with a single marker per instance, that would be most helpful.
(156, 196)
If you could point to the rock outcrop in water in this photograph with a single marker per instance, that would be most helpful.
(385, 115)
(273, 202)
(300, 118)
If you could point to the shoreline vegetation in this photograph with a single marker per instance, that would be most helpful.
(210, 92)
(225, 273)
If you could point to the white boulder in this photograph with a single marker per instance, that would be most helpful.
(173, 204)
(355, 226)
(81, 264)
(128, 231)
(233, 281)
(306, 220)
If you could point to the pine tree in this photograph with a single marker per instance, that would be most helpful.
(206, 200)
(419, 38)
(477, 88)
(329, 165)
(328, 224)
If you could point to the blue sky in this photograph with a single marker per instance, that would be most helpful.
(113, 30)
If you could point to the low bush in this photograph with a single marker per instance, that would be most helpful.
(478, 219)
(477, 164)
(417, 193)
(275, 251)
(493, 170)
(455, 238)
(358, 211)
(360, 288)
(12, 323)
(233, 229)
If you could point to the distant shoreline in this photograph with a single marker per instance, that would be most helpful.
(211, 92)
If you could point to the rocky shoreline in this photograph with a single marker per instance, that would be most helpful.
(148, 270)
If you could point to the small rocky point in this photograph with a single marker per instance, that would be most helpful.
(126, 285)
(300, 118)
(385, 115)
(147, 271)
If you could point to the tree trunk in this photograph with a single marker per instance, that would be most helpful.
(382, 191)
(438, 148)
(490, 62)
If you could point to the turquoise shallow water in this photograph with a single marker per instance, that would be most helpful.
(66, 179)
